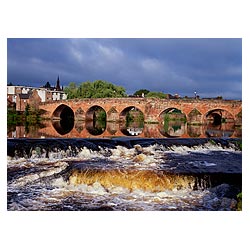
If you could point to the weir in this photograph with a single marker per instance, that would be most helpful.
(150, 180)
(23, 146)
(124, 174)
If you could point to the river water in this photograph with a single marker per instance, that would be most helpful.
(124, 173)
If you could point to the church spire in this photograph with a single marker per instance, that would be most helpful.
(58, 88)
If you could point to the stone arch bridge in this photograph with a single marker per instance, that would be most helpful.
(197, 111)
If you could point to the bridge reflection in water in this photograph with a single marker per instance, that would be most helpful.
(90, 129)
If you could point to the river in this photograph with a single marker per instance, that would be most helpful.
(126, 173)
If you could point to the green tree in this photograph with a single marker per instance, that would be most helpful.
(141, 91)
(71, 90)
(156, 94)
(96, 89)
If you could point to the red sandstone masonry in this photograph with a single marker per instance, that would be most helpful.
(152, 108)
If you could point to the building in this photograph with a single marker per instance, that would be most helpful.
(20, 96)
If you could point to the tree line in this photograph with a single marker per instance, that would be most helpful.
(103, 89)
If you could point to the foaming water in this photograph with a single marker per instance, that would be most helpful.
(129, 175)
(131, 179)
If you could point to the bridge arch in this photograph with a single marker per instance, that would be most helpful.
(172, 122)
(218, 116)
(63, 119)
(125, 112)
(131, 121)
(95, 118)
(174, 113)
(62, 112)
(95, 112)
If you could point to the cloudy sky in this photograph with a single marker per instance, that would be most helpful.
(212, 67)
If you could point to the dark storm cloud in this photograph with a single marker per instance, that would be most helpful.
(212, 67)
